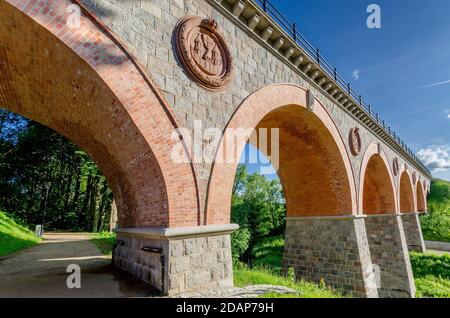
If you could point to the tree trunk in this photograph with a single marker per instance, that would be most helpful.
(93, 212)
(113, 218)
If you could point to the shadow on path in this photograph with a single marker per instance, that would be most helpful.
(40, 271)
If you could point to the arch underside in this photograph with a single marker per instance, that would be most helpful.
(81, 84)
(314, 167)
(311, 170)
(421, 204)
(377, 193)
(406, 194)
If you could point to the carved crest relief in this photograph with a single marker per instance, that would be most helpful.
(355, 141)
(203, 52)
(395, 167)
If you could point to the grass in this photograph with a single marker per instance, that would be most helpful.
(244, 276)
(266, 270)
(431, 274)
(269, 252)
(104, 241)
(14, 236)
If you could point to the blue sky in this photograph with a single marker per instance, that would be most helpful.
(402, 69)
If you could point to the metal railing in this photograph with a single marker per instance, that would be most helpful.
(314, 54)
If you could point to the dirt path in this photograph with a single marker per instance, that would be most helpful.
(40, 271)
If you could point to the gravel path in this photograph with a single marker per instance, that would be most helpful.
(40, 271)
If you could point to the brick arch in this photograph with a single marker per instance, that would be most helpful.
(376, 186)
(314, 166)
(420, 197)
(83, 83)
(405, 188)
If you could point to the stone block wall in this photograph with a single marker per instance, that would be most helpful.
(185, 264)
(334, 250)
(129, 256)
(390, 256)
(200, 263)
(413, 232)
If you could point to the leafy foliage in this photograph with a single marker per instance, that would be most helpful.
(431, 274)
(258, 206)
(14, 236)
(44, 178)
(436, 223)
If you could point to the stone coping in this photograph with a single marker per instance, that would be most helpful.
(177, 232)
(383, 215)
(325, 218)
(412, 213)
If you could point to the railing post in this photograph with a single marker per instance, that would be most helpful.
(349, 89)
(265, 5)
(335, 74)
(318, 56)
(360, 100)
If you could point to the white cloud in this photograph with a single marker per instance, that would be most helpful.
(448, 116)
(436, 158)
(355, 74)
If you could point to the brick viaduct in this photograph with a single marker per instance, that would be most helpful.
(115, 86)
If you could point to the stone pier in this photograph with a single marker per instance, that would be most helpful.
(176, 260)
(332, 249)
(413, 232)
(390, 256)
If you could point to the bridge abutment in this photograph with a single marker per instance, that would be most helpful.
(413, 232)
(176, 260)
(390, 256)
(332, 249)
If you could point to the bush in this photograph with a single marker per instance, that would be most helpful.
(240, 241)
(428, 264)
(436, 225)
(431, 274)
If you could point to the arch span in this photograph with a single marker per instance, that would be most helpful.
(406, 192)
(376, 187)
(420, 197)
(314, 166)
(84, 84)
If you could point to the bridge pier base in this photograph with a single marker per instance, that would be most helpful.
(390, 256)
(413, 232)
(177, 260)
(332, 249)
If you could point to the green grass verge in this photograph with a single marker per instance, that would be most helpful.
(266, 270)
(14, 237)
(431, 274)
(104, 241)
(264, 276)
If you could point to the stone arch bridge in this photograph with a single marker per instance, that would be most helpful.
(120, 77)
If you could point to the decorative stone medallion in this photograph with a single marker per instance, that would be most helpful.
(203, 52)
(355, 141)
(395, 166)
(414, 178)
